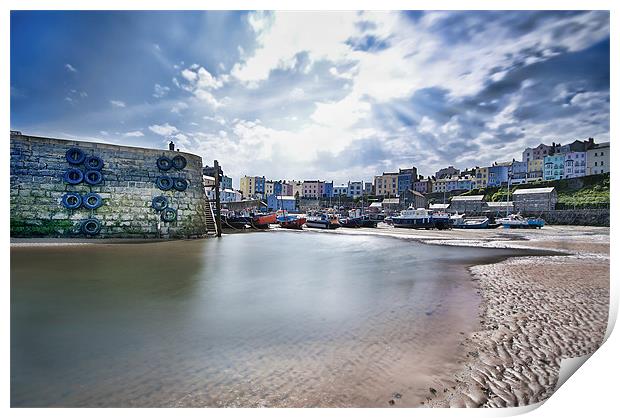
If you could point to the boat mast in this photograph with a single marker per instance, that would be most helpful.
(508, 195)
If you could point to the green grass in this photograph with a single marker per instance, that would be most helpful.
(584, 192)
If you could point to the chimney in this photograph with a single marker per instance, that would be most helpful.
(171, 146)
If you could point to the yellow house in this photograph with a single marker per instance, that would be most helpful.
(482, 177)
(386, 184)
(535, 169)
(247, 186)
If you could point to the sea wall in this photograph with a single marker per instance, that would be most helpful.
(588, 217)
(38, 184)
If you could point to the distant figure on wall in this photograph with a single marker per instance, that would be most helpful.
(171, 146)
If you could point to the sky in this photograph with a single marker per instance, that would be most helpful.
(315, 95)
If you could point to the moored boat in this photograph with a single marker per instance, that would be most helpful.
(461, 222)
(323, 221)
(518, 221)
(414, 218)
(442, 220)
(291, 222)
(263, 221)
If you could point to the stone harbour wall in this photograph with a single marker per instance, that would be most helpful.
(585, 217)
(37, 186)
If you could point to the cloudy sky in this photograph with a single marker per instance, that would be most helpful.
(329, 95)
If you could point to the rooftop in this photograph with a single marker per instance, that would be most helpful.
(476, 198)
(391, 201)
(534, 191)
(499, 204)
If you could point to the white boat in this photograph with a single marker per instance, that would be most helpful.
(323, 221)
(414, 218)
(461, 222)
(518, 221)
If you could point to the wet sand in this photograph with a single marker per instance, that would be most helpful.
(503, 348)
(535, 311)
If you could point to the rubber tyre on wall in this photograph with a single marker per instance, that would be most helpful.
(180, 184)
(92, 201)
(164, 163)
(93, 177)
(71, 200)
(169, 215)
(159, 202)
(164, 182)
(179, 162)
(75, 156)
(91, 227)
(73, 176)
(93, 163)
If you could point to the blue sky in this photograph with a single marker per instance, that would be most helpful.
(329, 95)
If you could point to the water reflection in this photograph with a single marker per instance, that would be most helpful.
(274, 319)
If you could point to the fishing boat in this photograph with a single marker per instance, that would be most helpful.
(442, 220)
(349, 222)
(235, 221)
(367, 222)
(263, 221)
(461, 222)
(323, 221)
(414, 218)
(518, 221)
(357, 219)
(287, 221)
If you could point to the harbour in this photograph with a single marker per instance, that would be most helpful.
(308, 209)
(203, 334)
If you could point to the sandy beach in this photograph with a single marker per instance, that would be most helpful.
(535, 311)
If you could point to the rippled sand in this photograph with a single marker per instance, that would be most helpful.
(535, 311)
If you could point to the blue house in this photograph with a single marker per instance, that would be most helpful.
(277, 188)
(226, 182)
(554, 167)
(276, 202)
(518, 172)
(328, 189)
(498, 175)
(259, 185)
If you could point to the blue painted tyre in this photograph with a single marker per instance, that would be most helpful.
(92, 201)
(164, 163)
(180, 184)
(91, 227)
(73, 176)
(93, 177)
(179, 162)
(75, 156)
(169, 215)
(71, 200)
(159, 202)
(164, 182)
(93, 163)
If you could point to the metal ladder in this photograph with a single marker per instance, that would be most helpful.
(210, 219)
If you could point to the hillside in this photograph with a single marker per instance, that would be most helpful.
(583, 192)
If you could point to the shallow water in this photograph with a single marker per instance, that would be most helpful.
(263, 319)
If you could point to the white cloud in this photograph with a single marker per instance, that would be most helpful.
(282, 35)
(201, 84)
(117, 103)
(134, 134)
(70, 68)
(178, 107)
(163, 130)
(160, 91)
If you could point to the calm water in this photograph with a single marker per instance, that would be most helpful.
(271, 319)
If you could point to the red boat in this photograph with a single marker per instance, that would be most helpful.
(263, 221)
(290, 221)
